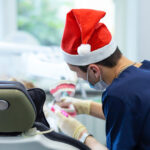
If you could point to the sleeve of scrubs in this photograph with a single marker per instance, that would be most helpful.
(122, 124)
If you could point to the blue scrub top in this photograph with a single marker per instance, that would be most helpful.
(145, 65)
(126, 106)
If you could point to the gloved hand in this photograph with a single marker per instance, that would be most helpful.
(81, 106)
(70, 126)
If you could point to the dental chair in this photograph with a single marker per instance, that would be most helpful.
(21, 111)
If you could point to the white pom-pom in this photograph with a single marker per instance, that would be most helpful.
(84, 49)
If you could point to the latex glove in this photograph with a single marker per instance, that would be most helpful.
(70, 126)
(81, 106)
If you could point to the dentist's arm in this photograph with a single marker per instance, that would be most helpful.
(96, 110)
(94, 144)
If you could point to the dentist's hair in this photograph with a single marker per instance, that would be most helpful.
(109, 62)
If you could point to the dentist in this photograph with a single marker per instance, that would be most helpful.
(90, 51)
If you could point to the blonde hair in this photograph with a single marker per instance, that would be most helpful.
(27, 84)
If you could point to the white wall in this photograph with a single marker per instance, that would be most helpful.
(144, 29)
(126, 27)
(133, 28)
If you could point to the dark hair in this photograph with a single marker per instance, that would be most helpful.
(110, 62)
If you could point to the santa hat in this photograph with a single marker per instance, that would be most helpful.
(85, 39)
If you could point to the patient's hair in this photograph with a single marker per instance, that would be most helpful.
(110, 62)
(27, 84)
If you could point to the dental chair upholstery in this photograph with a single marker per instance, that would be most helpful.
(21, 110)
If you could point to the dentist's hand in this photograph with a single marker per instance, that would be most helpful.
(75, 129)
(81, 106)
(70, 126)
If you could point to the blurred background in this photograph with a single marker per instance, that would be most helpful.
(31, 31)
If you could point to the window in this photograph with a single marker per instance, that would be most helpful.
(45, 19)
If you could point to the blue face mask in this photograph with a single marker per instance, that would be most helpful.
(100, 85)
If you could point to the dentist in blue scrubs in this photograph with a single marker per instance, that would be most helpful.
(89, 50)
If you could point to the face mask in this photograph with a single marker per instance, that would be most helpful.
(100, 85)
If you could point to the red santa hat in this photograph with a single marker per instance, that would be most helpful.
(85, 39)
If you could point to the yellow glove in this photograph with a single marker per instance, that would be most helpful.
(70, 126)
(81, 106)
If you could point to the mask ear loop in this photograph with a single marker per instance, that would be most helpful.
(87, 75)
(100, 77)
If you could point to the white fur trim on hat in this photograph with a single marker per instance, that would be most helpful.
(93, 57)
(84, 49)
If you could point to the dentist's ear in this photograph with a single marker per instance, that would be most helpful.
(95, 70)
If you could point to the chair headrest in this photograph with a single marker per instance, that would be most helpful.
(38, 97)
(17, 110)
